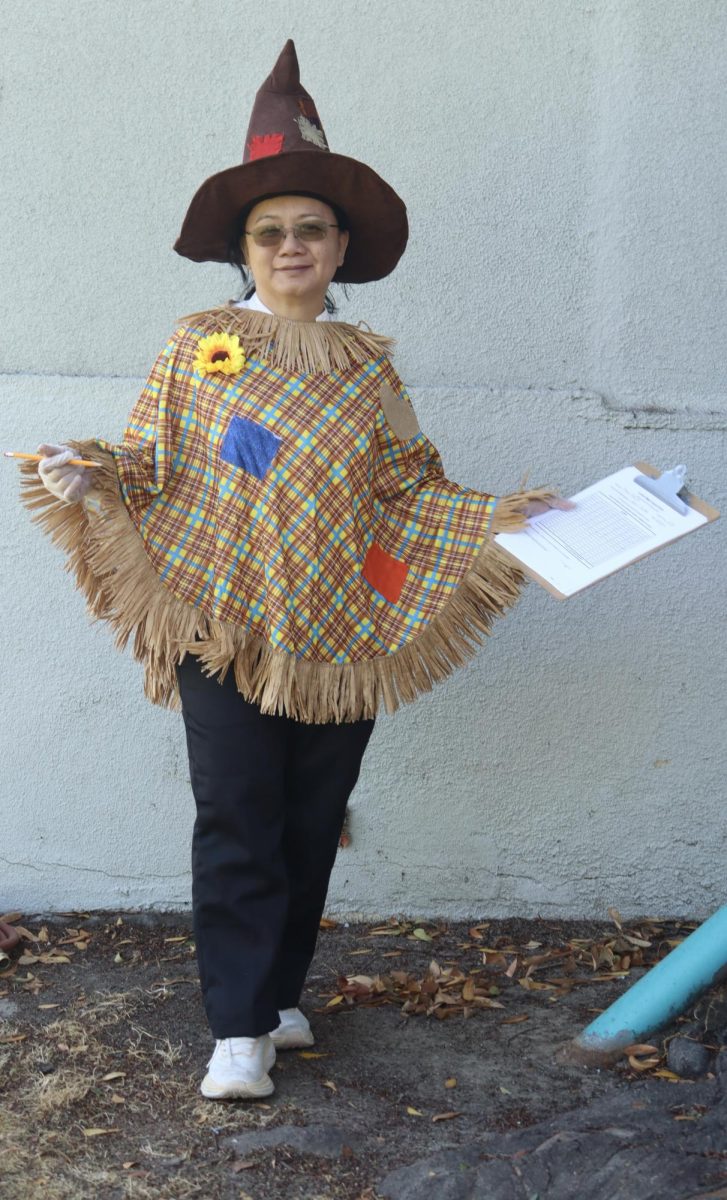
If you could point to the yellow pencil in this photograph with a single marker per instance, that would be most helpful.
(72, 462)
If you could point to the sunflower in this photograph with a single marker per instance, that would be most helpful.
(219, 352)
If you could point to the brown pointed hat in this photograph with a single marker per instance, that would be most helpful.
(286, 151)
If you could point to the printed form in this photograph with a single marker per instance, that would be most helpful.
(615, 522)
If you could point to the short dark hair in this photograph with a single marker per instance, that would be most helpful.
(237, 229)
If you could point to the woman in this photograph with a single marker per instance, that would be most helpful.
(278, 537)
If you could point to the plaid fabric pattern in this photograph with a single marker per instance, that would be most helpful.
(273, 537)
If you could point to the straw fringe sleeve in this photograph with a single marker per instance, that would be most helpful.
(415, 523)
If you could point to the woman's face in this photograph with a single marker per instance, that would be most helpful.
(294, 274)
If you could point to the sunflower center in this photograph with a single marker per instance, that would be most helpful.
(220, 356)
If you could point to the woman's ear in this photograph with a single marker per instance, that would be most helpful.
(343, 238)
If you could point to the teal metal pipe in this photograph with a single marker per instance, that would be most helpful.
(698, 963)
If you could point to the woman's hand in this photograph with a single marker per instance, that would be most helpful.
(536, 507)
(69, 484)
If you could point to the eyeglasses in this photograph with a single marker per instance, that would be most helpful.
(305, 231)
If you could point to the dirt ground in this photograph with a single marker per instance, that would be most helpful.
(433, 1076)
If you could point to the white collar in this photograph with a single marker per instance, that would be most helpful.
(257, 305)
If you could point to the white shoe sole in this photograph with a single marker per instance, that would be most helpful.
(238, 1089)
(292, 1039)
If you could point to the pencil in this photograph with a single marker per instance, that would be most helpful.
(72, 462)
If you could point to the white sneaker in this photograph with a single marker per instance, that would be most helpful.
(239, 1069)
(293, 1032)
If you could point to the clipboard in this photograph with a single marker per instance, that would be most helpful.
(668, 487)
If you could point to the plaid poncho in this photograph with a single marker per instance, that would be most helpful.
(274, 508)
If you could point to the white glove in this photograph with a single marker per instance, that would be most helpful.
(66, 483)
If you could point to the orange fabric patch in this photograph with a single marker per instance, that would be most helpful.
(264, 145)
(384, 573)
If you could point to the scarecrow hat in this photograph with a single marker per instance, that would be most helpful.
(286, 151)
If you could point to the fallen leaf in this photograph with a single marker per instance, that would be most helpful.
(243, 1165)
(615, 916)
(422, 935)
(664, 1073)
(311, 1054)
(335, 1000)
(128, 1165)
(330, 1084)
(516, 1020)
(12, 1037)
(183, 938)
(327, 923)
(113, 1075)
(512, 969)
(451, 1082)
(446, 1116)
(640, 1048)
(118, 958)
(414, 1112)
(89, 1133)
(49, 1006)
(117, 1099)
(642, 1064)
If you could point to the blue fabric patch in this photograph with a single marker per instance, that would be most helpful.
(249, 446)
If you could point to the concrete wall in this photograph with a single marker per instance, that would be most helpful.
(560, 310)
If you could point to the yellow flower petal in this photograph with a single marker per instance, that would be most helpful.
(219, 352)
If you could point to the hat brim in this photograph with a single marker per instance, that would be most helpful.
(376, 214)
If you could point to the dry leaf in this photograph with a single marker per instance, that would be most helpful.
(615, 916)
(414, 1112)
(640, 1048)
(335, 1000)
(311, 1054)
(330, 1084)
(327, 923)
(89, 1133)
(642, 1064)
(49, 1006)
(243, 1165)
(451, 1082)
(512, 969)
(422, 935)
(128, 1165)
(113, 1075)
(516, 1020)
(446, 1116)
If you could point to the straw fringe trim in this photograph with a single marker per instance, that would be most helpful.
(301, 347)
(106, 555)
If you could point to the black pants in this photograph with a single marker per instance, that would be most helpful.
(271, 796)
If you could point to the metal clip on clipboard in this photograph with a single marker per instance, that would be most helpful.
(667, 487)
